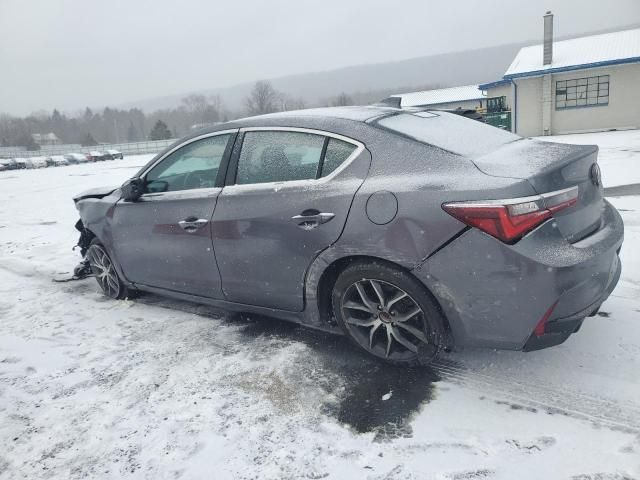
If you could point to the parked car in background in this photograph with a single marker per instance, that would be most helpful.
(76, 158)
(38, 162)
(113, 155)
(59, 161)
(8, 163)
(407, 231)
(3, 166)
(95, 156)
(21, 163)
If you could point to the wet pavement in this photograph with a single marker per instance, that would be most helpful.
(377, 397)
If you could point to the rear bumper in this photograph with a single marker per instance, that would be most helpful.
(558, 330)
(495, 294)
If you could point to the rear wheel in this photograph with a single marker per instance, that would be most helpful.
(103, 269)
(388, 313)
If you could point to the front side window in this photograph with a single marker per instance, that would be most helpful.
(279, 156)
(582, 92)
(195, 165)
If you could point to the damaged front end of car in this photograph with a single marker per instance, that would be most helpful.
(93, 207)
(83, 269)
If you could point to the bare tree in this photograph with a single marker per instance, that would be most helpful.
(262, 99)
(342, 100)
(201, 110)
(291, 103)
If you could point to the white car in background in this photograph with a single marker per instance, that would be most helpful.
(38, 162)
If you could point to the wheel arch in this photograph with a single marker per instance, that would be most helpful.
(330, 274)
(96, 231)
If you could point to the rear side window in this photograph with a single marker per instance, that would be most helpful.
(279, 157)
(337, 152)
(449, 131)
(282, 156)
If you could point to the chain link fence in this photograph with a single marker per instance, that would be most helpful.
(133, 148)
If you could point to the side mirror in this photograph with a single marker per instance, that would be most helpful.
(132, 189)
(157, 186)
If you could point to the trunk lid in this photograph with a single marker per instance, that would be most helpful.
(550, 167)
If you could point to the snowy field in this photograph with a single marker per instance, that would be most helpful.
(154, 388)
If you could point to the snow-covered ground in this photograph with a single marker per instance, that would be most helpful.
(155, 388)
(619, 154)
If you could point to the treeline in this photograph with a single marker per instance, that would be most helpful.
(119, 126)
(111, 125)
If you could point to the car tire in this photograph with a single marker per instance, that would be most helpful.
(105, 272)
(388, 313)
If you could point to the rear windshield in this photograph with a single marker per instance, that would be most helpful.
(452, 132)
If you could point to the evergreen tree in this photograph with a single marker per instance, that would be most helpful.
(26, 140)
(132, 134)
(160, 131)
(89, 141)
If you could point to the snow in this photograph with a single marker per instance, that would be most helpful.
(586, 51)
(156, 388)
(619, 155)
(441, 95)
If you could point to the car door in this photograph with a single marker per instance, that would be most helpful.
(163, 239)
(286, 198)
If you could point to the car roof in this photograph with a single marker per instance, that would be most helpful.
(320, 118)
(355, 113)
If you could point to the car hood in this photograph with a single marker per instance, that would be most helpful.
(98, 192)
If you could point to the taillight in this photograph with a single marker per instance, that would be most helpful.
(510, 219)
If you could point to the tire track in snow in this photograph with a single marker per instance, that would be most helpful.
(535, 395)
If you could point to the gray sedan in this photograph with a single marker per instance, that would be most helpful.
(409, 231)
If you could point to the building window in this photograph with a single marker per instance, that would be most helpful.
(582, 92)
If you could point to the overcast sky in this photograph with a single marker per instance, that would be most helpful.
(68, 54)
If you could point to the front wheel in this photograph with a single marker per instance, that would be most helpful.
(388, 313)
(103, 269)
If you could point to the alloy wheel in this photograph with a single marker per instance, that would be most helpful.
(384, 319)
(103, 270)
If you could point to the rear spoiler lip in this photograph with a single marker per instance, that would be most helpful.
(396, 102)
(578, 151)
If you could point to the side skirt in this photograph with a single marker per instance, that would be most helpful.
(294, 317)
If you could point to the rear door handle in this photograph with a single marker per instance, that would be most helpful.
(312, 218)
(191, 224)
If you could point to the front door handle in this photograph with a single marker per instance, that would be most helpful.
(310, 219)
(191, 224)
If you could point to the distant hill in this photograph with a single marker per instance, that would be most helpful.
(471, 66)
(368, 83)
